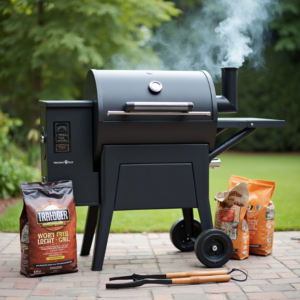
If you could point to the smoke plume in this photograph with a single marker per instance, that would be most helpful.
(242, 34)
(224, 33)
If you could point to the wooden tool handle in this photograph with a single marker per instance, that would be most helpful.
(201, 279)
(196, 273)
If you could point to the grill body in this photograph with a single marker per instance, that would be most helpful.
(143, 140)
(111, 90)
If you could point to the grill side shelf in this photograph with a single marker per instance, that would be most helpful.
(249, 123)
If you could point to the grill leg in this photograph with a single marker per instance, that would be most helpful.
(188, 217)
(109, 181)
(205, 214)
(104, 221)
(201, 176)
(90, 226)
(203, 204)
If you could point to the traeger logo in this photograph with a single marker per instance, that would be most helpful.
(52, 216)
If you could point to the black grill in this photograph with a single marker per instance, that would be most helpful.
(143, 140)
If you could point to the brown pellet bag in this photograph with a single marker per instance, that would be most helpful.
(260, 214)
(48, 229)
(230, 218)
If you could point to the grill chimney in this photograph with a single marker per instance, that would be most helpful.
(227, 103)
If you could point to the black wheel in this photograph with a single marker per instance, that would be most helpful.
(213, 248)
(179, 238)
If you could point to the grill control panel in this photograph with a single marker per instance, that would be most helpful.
(62, 137)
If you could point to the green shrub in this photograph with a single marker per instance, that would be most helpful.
(8, 128)
(13, 169)
(12, 173)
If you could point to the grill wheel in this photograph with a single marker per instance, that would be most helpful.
(179, 238)
(213, 248)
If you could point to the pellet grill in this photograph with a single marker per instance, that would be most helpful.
(145, 140)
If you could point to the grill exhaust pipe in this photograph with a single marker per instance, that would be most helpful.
(227, 103)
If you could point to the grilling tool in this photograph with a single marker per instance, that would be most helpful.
(191, 277)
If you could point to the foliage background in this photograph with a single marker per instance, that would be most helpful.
(13, 161)
(46, 49)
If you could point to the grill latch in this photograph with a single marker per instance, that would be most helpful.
(215, 163)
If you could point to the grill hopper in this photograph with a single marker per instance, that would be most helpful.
(111, 90)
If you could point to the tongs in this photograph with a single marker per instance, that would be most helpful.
(190, 277)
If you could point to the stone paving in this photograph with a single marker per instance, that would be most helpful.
(273, 277)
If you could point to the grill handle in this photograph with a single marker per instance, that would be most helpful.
(157, 113)
(159, 106)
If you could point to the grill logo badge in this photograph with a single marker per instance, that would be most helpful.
(64, 162)
(52, 216)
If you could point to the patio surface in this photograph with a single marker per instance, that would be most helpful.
(274, 277)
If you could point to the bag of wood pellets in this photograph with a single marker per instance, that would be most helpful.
(48, 229)
(260, 214)
(230, 218)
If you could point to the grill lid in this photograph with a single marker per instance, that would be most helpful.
(130, 109)
(149, 96)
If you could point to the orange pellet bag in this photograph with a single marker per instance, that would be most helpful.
(230, 217)
(260, 214)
